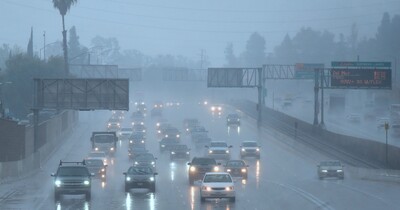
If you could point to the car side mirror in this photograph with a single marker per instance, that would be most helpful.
(105, 165)
(52, 174)
(230, 146)
(156, 173)
(206, 146)
(155, 158)
(189, 164)
(92, 174)
(247, 166)
(124, 173)
(219, 164)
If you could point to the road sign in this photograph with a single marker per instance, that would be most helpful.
(306, 70)
(361, 78)
(233, 77)
(361, 64)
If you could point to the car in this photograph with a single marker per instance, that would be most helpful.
(97, 167)
(137, 138)
(141, 108)
(189, 123)
(124, 133)
(171, 132)
(98, 154)
(139, 128)
(161, 129)
(179, 151)
(217, 185)
(140, 177)
(118, 114)
(330, 168)
(137, 116)
(354, 118)
(236, 168)
(133, 152)
(167, 143)
(395, 129)
(200, 166)
(216, 110)
(233, 120)
(72, 178)
(113, 125)
(199, 134)
(145, 159)
(249, 149)
(219, 150)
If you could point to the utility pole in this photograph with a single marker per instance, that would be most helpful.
(44, 45)
(201, 58)
(386, 148)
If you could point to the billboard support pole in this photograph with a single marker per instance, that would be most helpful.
(316, 88)
(260, 96)
(322, 73)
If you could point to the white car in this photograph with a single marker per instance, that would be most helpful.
(98, 154)
(125, 133)
(217, 185)
(219, 150)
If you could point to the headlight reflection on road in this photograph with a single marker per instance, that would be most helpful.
(172, 167)
(258, 173)
(103, 185)
(85, 206)
(128, 201)
(192, 197)
(152, 202)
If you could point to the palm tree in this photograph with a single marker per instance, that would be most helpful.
(63, 6)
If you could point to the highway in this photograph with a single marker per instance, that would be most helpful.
(284, 178)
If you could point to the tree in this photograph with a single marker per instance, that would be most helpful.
(230, 56)
(107, 50)
(353, 39)
(254, 54)
(30, 44)
(63, 7)
(285, 52)
(77, 54)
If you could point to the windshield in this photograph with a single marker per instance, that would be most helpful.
(126, 129)
(330, 163)
(235, 164)
(217, 178)
(140, 170)
(145, 157)
(249, 144)
(219, 144)
(204, 161)
(104, 138)
(93, 162)
(72, 171)
(95, 154)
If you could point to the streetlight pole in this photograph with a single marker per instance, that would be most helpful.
(44, 45)
(386, 149)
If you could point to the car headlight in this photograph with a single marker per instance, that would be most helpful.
(130, 141)
(58, 183)
(162, 145)
(152, 163)
(187, 152)
(96, 148)
(258, 149)
(102, 169)
(151, 179)
(228, 170)
(244, 170)
(324, 171)
(173, 153)
(86, 182)
(340, 170)
(243, 150)
(210, 151)
(206, 188)
(219, 108)
(212, 108)
(158, 124)
(112, 148)
(216, 168)
(166, 135)
(144, 130)
(192, 169)
(128, 179)
(227, 151)
(187, 129)
(228, 188)
(109, 124)
(142, 141)
(102, 176)
(136, 163)
(177, 136)
(158, 131)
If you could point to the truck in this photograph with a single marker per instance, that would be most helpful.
(104, 141)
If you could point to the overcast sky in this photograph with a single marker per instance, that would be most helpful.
(186, 26)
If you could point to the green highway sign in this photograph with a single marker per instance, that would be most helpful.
(306, 70)
(361, 64)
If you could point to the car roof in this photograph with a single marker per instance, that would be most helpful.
(217, 173)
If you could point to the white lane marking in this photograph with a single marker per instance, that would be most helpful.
(321, 204)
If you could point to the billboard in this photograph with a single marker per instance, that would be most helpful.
(81, 94)
(306, 70)
(361, 78)
(232, 77)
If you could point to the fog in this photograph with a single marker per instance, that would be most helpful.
(180, 27)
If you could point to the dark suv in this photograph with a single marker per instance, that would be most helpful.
(201, 165)
(72, 178)
(140, 177)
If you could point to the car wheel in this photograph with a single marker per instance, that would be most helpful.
(233, 199)
(202, 199)
(153, 188)
(88, 196)
(56, 197)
